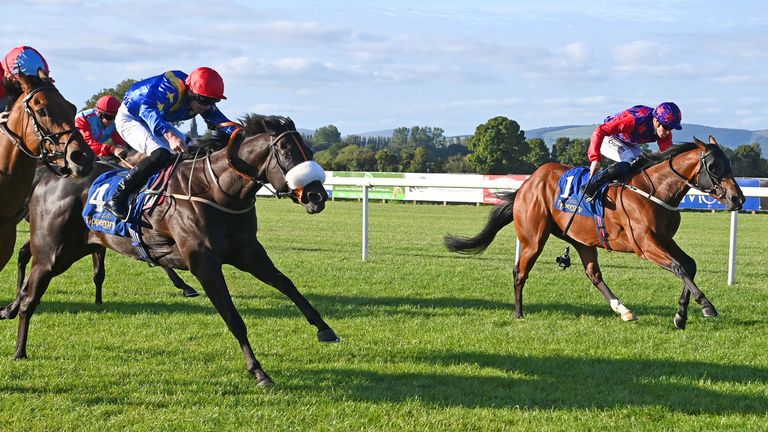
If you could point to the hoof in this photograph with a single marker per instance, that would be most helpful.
(680, 321)
(327, 335)
(263, 379)
(190, 292)
(709, 311)
(628, 316)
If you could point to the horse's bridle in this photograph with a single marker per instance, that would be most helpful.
(46, 156)
(711, 172)
(274, 153)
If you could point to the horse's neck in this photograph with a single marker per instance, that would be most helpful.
(660, 181)
(213, 177)
(16, 173)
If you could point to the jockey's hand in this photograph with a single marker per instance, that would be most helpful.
(593, 168)
(177, 143)
(121, 153)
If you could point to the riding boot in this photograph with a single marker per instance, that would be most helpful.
(613, 172)
(134, 179)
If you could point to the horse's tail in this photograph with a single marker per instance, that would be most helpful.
(500, 216)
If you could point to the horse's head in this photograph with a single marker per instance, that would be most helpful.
(713, 174)
(42, 124)
(286, 162)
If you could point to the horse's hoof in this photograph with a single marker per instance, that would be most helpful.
(628, 316)
(327, 335)
(709, 311)
(680, 321)
(190, 292)
(263, 379)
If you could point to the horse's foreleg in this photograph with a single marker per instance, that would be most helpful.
(257, 262)
(678, 262)
(179, 283)
(98, 272)
(588, 255)
(207, 269)
(688, 263)
(22, 259)
(7, 243)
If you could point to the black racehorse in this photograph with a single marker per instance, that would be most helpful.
(207, 219)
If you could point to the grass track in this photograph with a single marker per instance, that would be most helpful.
(428, 338)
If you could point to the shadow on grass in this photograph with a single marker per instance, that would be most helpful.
(561, 383)
(334, 307)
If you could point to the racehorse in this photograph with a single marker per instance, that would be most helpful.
(207, 219)
(40, 127)
(641, 216)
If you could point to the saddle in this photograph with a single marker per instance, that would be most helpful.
(145, 200)
(570, 199)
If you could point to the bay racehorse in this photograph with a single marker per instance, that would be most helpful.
(40, 127)
(641, 216)
(207, 219)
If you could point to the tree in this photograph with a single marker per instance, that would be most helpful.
(117, 91)
(386, 161)
(571, 151)
(747, 161)
(456, 164)
(538, 153)
(499, 147)
(326, 136)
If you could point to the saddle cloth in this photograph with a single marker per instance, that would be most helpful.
(569, 199)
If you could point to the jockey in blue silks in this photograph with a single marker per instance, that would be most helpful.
(145, 119)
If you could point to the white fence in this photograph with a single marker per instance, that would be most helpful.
(500, 183)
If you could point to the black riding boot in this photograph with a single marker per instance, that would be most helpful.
(613, 172)
(136, 177)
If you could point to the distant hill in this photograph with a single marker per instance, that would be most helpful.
(730, 138)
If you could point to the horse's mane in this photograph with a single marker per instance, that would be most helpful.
(652, 159)
(253, 124)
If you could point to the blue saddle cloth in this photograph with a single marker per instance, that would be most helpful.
(101, 220)
(570, 189)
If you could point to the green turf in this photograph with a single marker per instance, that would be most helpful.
(429, 341)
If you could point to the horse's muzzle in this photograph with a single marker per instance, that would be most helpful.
(313, 197)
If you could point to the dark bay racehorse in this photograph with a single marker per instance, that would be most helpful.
(207, 220)
(40, 127)
(635, 223)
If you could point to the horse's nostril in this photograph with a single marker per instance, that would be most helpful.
(315, 197)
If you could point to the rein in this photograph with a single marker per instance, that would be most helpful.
(46, 157)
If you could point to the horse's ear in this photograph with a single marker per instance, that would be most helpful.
(698, 141)
(42, 75)
(26, 83)
(712, 140)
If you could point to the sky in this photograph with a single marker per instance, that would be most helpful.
(373, 65)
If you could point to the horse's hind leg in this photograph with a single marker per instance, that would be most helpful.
(257, 262)
(532, 241)
(179, 283)
(98, 272)
(588, 255)
(31, 293)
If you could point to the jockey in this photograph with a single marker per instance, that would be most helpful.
(145, 121)
(97, 125)
(22, 59)
(618, 138)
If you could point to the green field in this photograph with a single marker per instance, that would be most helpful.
(429, 341)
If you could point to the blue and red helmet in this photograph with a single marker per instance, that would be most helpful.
(24, 59)
(668, 114)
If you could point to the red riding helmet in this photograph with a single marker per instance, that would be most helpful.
(108, 105)
(206, 82)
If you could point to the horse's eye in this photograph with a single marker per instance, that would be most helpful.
(42, 112)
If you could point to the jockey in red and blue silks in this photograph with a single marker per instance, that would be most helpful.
(145, 118)
(97, 125)
(618, 138)
(22, 59)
